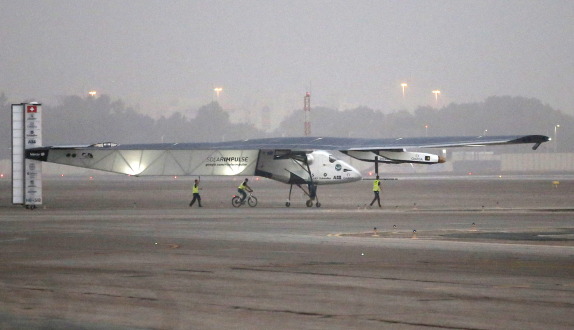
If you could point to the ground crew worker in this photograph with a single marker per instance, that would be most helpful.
(376, 191)
(196, 196)
(241, 189)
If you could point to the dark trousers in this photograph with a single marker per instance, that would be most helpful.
(197, 198)
(377, 198)
(243, 194)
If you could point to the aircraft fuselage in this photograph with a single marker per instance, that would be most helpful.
(318, 167)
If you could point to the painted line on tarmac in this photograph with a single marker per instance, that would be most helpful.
(17, 239)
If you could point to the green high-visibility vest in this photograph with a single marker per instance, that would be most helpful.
(376, 186)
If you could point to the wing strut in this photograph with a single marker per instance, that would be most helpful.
(312, 188)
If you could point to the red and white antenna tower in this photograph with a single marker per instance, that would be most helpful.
(307, 109)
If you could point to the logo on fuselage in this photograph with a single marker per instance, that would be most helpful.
(227, 161)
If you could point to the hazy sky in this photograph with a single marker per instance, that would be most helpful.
(164, 56)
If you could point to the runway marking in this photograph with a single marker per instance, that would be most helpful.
(382, 234)
(17, 239)
(560, 238)
(117, 296)
(170, 245)
(513, 286)
(194, 271)
(328, 316)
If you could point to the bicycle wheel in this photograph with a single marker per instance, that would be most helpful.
(252, 201)
(236, 201)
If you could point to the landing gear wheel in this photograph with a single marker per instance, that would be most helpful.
(318, 204)
(309, 203)
(288, 204)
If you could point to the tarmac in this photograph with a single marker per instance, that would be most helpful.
(116, 252)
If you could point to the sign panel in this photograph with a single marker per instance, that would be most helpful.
(33, 168)
(33, 126)
(33, 182)
(17, 154)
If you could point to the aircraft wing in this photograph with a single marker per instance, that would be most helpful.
(448, 142)
(395, 150)
(341, 144)
(326, 143)
(240, 157)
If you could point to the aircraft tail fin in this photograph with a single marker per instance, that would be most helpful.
(26, 173)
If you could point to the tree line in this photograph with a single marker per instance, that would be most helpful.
(85, 120)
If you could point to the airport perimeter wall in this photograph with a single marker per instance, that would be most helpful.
(551, 162)
(485, 162)
(529, 162)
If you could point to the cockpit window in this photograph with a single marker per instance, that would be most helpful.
(104, 145)
(332, 159)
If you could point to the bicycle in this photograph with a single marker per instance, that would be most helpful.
(250, 199)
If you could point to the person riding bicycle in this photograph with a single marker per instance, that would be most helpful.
(241, 189)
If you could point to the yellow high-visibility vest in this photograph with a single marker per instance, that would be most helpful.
(376, 186)
(242, 186)
(196, 189)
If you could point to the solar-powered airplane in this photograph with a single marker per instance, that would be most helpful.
(307, 161)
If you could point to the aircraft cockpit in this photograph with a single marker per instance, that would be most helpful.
(104, 145)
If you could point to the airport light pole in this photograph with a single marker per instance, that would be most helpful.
(556, 127)
(436, 92)
(403, 85)
(217, 90)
